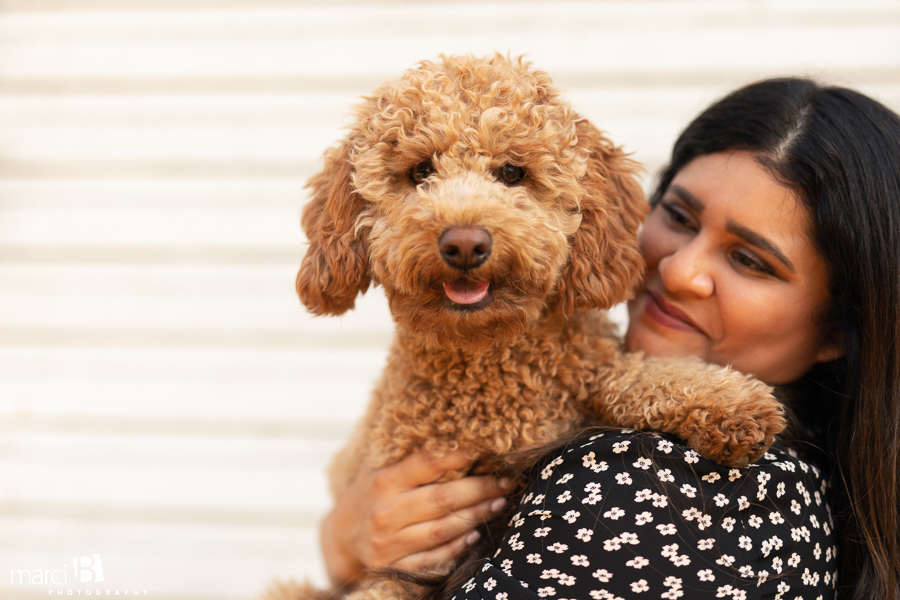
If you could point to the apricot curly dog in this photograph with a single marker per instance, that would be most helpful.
(498, 221)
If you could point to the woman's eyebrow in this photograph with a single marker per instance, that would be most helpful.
(759, 241)
(688, 198)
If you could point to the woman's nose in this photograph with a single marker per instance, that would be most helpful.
(687, 270)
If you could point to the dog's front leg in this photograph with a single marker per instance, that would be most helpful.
(725, 415)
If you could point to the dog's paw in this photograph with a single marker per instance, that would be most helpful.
(735, 435)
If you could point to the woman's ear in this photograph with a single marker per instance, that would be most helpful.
(833, 349)
(335, 268)
(605, 265)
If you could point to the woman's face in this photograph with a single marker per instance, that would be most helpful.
(732, 276)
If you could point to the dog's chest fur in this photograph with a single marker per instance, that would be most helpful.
(510, 396)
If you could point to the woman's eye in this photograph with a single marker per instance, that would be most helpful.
(677, 217)
(751, 262)
(421, 172)
(511, 174)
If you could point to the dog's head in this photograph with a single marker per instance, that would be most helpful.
(479, 199)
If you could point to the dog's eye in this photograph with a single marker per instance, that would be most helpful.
(510, 174)
(421, 172)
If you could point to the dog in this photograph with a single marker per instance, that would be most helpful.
(500, 224)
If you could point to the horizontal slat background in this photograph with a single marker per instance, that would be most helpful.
(164, 400)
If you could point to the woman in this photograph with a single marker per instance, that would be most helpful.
(773, 246)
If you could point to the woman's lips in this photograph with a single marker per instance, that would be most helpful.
(669, 316)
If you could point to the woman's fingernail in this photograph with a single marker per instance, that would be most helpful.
(472, 538)
(497, 504)
(504, 483)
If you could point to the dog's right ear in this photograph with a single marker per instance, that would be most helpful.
(335, 268)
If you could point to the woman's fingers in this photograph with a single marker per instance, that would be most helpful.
(429, 560)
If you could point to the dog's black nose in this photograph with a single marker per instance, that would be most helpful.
(465, 247)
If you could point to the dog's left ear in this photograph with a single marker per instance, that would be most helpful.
(335, 268)
(605, 263)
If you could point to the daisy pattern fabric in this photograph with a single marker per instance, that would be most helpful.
(623, 514)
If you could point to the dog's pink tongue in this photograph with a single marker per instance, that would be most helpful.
(466, 292)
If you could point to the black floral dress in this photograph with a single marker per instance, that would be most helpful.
(623, 514)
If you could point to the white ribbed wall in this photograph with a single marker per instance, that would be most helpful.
(164, 400)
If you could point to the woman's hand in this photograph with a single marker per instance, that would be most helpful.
(397, 516)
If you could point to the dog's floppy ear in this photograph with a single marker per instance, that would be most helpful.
(605, 263)
(335, 267)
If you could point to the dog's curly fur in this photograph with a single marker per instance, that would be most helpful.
(536, 358)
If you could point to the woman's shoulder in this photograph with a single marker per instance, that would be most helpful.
(618, 512)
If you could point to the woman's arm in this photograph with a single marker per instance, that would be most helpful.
(397, 516)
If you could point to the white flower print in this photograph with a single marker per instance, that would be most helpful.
(691, 457)
(755, 521)
(506, 565)
(538, 499)
(580, 560)
(690, 514)
(541, 532)
(745, 543)
(681, 561)
(558, 548)
(780, 489)
(642, 495)
(501, 596)
(734, 474)
(566, 580)
(764, 477)
(711, 477)
(642, 463)
(515, 544)
(564, 497)
(548, 470)
(614, 513)
(612, 544)
(666, 529)
(638, 562)
(761, 578)
(620, 447)
(660, 500)
(534, 559)
(728, 524)
(546, 591)
(623, 479)
(643, 518)
(689, 490)
(777, 564)
(706, 544)
(571, 516)
(629, 538)
(549, 573)
(720, 500)
(603, 575)
(639, 586)
(746, 571)
(817, 551)
(725, 590)
(664, 446)
(794, 560)
(565, 479)
(470, 585)
(704, 521)
(743, 503)
(670, 551)
(706, 575)
(665, 475)
(795, 507)
(490, 584)
(776, 518)
(584, 534)
(814, 521)
(726, 560)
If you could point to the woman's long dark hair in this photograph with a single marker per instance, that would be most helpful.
(839, 152)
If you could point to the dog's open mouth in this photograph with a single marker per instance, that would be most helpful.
(468, 295)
